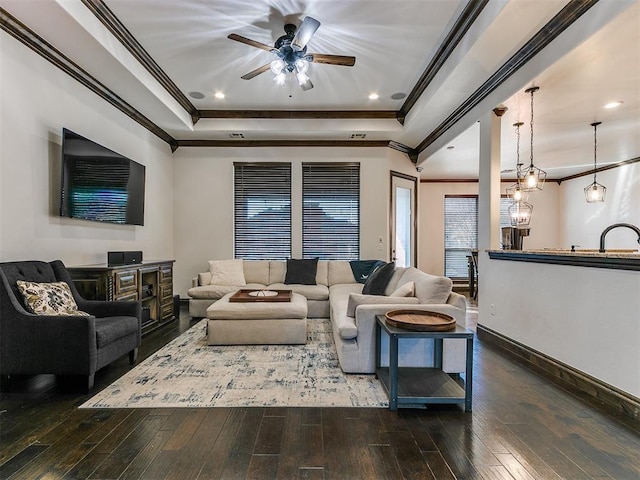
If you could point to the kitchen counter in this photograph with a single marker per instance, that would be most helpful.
(619, 259)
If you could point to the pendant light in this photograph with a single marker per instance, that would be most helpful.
(515, 190)
(520, 213)
(595, 192)
(532, 177)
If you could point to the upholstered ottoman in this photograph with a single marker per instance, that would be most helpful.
(257, 323)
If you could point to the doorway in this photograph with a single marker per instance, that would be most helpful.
(403, 220)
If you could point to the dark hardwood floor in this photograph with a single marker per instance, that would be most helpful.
(522, 427)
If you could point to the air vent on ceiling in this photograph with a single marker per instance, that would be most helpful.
(236, 135)
(357, 136)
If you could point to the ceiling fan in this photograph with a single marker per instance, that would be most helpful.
(291, 50)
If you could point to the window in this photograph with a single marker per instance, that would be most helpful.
(461, 231)
(331, 211)
(262, 208)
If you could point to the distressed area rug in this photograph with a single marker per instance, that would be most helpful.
(189, 373)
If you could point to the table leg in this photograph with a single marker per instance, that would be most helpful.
(378, 348)
(437, 352)
(468, 378)
(393, 372)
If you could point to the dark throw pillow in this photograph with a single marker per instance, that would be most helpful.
(362, 268)
(301, 272)
(377, 282)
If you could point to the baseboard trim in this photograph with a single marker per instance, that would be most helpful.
(573, 380)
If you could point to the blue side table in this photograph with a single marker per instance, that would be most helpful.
(413, 386)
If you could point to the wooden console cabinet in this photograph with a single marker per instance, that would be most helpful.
(149, 282)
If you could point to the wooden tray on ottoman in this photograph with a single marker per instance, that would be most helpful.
(420, 320)
(265, 295)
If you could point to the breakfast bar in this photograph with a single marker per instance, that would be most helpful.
(596, 345)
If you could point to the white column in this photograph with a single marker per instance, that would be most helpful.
(489, 181)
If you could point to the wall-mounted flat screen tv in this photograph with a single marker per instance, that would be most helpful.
(99, 184)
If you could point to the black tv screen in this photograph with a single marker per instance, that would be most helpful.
(99, 184)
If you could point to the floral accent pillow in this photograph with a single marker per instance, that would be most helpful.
(49, 298)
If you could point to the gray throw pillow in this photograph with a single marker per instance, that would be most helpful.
(301, 272)
(377, 282)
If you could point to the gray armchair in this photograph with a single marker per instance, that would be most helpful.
(62, 345)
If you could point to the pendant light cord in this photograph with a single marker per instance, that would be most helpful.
(531, 126)
(595, 149)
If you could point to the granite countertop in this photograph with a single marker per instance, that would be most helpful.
(623, 259)
(609, 253)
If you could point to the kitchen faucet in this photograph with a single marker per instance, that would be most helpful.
(615, 225)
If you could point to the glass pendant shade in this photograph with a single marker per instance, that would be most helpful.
(520, 213)
(281, 78)
(533, 178)
(515, 192)
(595, 192)
(276, 66)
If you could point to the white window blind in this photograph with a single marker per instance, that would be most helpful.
(262, 209)
(461, 231)
(331, 211)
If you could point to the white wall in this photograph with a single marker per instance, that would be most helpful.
(203, 190)
(38, 100)
(588, 318)
(581, 223)
(544, 221)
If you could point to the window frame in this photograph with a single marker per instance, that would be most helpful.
(349, 242)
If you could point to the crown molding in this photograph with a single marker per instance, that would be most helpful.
(28, 37)
(558, 24)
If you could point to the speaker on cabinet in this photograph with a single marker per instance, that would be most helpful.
(124, 258)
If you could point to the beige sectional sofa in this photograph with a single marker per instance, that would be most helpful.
(338, 296)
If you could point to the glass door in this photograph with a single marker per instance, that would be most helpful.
(403, 220)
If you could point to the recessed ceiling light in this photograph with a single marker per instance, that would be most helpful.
(197, 95)
(613, 104)
(398, 96)
(218, 95)
(374, 96)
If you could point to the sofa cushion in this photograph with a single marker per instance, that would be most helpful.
(340, 272)
(277, 271)
(110, 329)
(218, 291)
(311, 292)
(405, 290)
(394, 283)
(301, 271)
(256, 271)
(357, 299)
(377, 282)
(53, 298)
(204, 278)
(227, 272)
(429, 288)
(322, 275)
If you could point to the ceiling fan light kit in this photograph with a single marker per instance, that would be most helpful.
(292, 56)
(595, 192)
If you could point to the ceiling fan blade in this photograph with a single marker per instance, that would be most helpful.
(343, 60)
(256, 72)
(248, 41)
(306, 85)
(304, 33)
